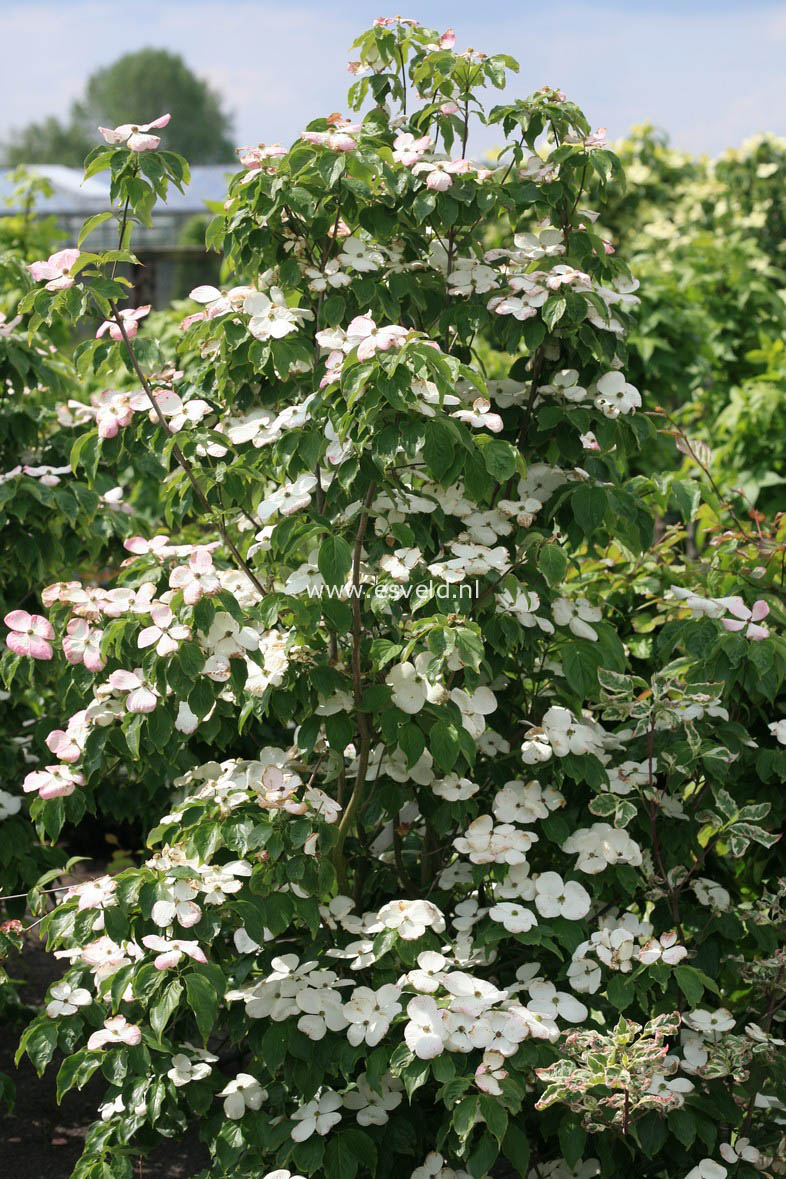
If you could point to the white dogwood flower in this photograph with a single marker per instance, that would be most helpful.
(317, 1116)
(371, 1107)
(409, 690)
(555, 897)
(65, 999)
(515, 918)
(425, 1034)
(244, 1092)
(370, 1013)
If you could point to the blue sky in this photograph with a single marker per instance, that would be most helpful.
(711, 72)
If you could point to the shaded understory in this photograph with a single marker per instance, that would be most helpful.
(41, 1140)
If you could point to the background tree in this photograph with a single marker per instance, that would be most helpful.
(140, 86)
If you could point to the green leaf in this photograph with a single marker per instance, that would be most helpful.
(86, 452)
(651, 1133)
(203, 1001)
(589, 508)
(444, 744)
(515, 1148)
(469, 646)
(132, 731)
(308, 1155)
(333, 310)
(553, 310)
(414, 1075)
(464, 1116)
(76, 1071)
(483, 1157)
(191, 659)
(620, 992)
(362, 1147)
(413, 741)
(501, 459)
(683, 1126)
(424, 204)
(274, 1045)
(439, 449)
(166, 1006)
(340, 730)
(341, 1161)
(335, 560)
(571, 1139)
(91, 224)
(383, 651)
(38, 1041)
(691, 983)
(159, 727)
(552, 563)
(580, 664)
(494, 1115)
(201, 698)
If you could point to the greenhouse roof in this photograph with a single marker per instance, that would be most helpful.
(73, 195)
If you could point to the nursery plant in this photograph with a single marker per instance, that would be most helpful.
(465, 860)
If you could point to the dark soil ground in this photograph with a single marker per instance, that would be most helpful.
(41, 1140)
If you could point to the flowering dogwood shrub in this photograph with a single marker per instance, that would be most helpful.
(456, 875)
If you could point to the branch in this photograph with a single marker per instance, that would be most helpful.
(364, 745)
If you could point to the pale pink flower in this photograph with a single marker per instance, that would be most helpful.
(449, 108)
(176, 902)
(178, 413)
(195, 579)
(30, 634)
(68, 745)
(562, 274)
(62, 591)
(165, 636)
(157, 546)
(216, 302)
(407, 150)
(94, 894)
(252, 157)
(56, 270)
(745, 618)
(116, 1030)
(7, 325)
(113, 410)
(480, 416)
(490, 1072)
(364, 334)
(49, 476)
(141, 696)
(440, 175)
(82, 644)
(134, 135)
(257, 159)
(742, 1149)
(123, 600)
(665, 948)
(170, 951)
(438, 179)
(341, 137)
(53, 781)
(447, 40)
(130, 317)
